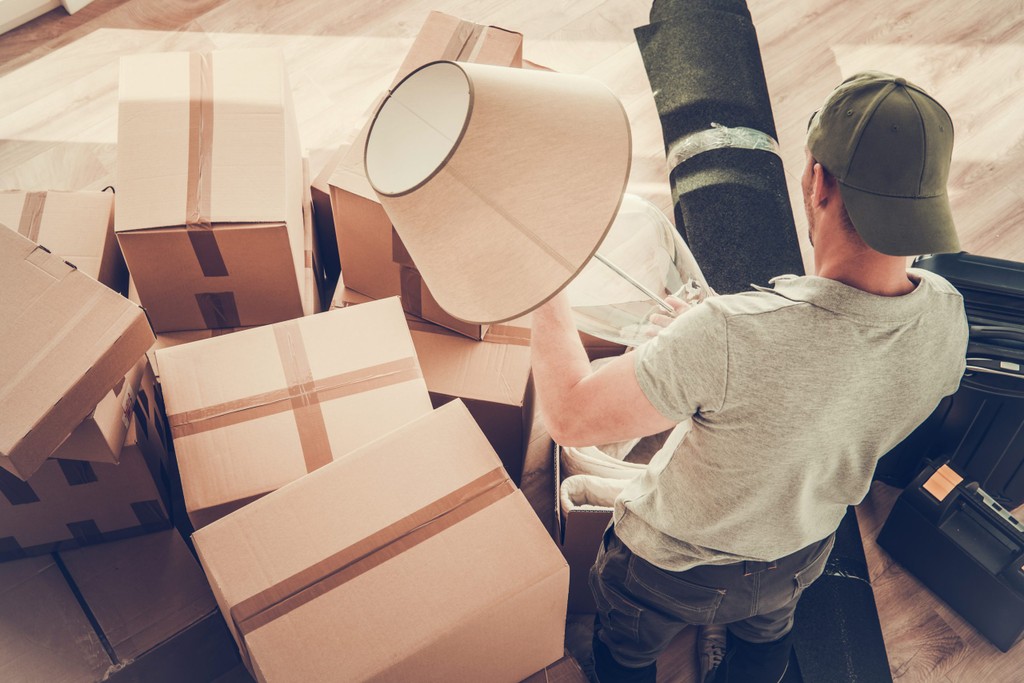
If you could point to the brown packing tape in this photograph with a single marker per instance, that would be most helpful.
(280, 400)
(305, 403)
(32, 215)
(218, 309)
(16, 491)
(412, 293)
(462, 41)
(399, 254)
(508, 334)
(374, 550)
(200, 167)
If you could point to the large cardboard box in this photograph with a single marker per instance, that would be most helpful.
(66, 341)
(253, 410)
(109, 613)
(77, 226)
(413, 558)
(72, 503)
(210, 188)
(101, 435)
(372, 257)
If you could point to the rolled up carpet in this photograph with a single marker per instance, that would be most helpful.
(731, 203)
(837, 635)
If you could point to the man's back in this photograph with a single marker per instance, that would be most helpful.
(795, 392)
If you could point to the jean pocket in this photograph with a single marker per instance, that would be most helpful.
(691, 602)
(814, 569)
(618, 613)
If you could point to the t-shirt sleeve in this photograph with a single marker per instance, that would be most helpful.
(683, 370)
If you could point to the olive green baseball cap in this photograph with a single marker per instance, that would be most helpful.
(889, 145)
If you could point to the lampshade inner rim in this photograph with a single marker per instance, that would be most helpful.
(418, 128)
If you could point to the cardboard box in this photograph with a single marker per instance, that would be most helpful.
(565, 670)
(373, 260)
(101, 435)
(412, 558)
(77, 226)
(108, 612)
(253, 410)
(210, 188)
(580, 534)
(66, 341)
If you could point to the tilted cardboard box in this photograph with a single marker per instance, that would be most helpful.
(210, 188)
(66, 341)
(253, 410)
(413, 558)
(373, 259)
(77, 226)
(101, 435)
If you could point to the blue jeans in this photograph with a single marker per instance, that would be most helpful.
(641, 608)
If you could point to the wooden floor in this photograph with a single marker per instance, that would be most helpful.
(58, 113)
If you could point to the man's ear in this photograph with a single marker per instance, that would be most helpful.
(820, 185)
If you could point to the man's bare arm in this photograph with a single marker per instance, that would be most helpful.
(578, 406)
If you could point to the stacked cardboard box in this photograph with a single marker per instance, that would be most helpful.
(209, 213)
(373, 260)
(72, 503)
(412, 558)
(78, 226)
(67, 340)
(124, 611)
(256, 409)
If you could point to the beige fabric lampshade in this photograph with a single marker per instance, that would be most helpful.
(501, 182)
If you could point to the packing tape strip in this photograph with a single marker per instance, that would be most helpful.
(278, 401)
(218, 309)
(399, 254)
(200, 167)
(16, 491)
(462, 41)
(32, 215)
(508, 334)
(374, 550)
(305, 403)
(718, 137)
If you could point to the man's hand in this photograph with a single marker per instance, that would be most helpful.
(659, 321)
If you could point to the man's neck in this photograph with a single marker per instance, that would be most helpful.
(866, 270)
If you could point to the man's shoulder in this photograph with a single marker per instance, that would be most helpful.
(754, 302)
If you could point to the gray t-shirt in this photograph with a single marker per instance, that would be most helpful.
(795, 392)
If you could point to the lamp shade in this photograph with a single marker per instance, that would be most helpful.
(501, 182)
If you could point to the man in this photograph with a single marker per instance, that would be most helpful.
(794, 393)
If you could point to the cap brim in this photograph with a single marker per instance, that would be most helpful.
(900, 226)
